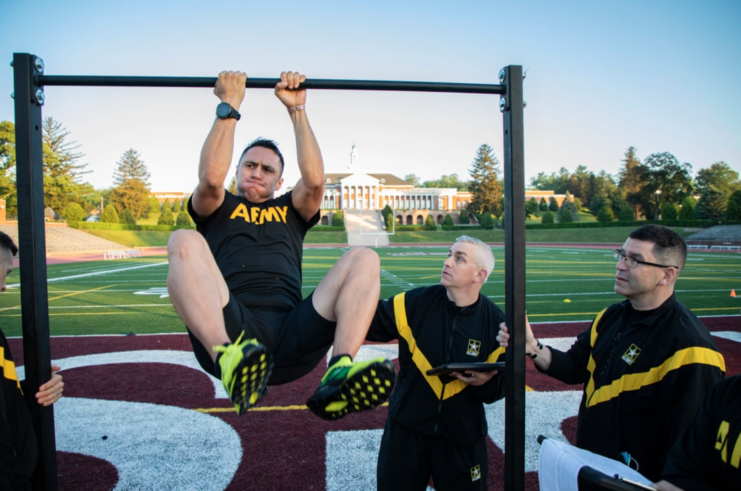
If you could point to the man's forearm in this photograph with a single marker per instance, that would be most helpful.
(216, 155)
(541, 355)
(310, 162)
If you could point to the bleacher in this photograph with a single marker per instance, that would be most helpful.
(64, 240)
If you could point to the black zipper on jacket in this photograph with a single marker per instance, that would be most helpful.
(446, 360)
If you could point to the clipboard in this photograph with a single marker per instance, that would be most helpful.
(446, 369)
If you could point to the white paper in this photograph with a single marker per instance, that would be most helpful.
(560, 463)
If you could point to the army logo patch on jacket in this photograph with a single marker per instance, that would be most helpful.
(473, 347)
(476, 473)
(630, 356)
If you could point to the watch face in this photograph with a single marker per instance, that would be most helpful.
(223, 110)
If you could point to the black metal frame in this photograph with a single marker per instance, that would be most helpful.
(29, 97)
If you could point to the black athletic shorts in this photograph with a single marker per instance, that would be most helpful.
(298, 340)
(408, 459)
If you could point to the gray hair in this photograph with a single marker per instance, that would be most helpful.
(485, 259)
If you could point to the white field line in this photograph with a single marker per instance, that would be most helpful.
(97, 273)
(600, 293)
(396, 281)
(185, 334)
(101, 306)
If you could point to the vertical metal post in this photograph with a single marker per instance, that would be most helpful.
(514, 277)
(32, 245)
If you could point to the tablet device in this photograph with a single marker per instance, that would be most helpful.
(448, 368)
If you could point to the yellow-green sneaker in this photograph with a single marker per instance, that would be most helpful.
(245, 369)
(349, 387)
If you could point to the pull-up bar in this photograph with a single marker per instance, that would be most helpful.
(29, 80)
(267, 83)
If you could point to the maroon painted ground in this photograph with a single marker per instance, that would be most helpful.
(290, 444)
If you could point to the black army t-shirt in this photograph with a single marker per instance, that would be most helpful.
(258, 248)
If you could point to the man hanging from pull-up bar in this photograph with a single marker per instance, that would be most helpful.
(236, 282)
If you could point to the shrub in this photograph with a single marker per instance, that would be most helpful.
(154, 205)
(183, 220)
(487, 222)
(127, 217)
(389, 222)
(531, 207)
(543, 205)
(448, 220)
(338, 219)
(109, 214)
(553, 206)
(464, 218)
(429, 222)
(687, 211)
(548, 218)
(626, 214)
(386, 211)
(564, 216)
(166, 217)
(605, 214)
(577, 203)
(73, 212)
(668, 212)
(176, 206)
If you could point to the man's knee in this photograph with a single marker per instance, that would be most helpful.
(184, 242)
(360, 259)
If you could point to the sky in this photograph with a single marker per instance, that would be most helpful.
(662, 76)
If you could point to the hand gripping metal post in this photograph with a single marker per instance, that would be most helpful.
(30, 81)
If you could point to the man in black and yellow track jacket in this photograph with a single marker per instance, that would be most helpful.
(18, 448)
(646, 363)
(436, 429)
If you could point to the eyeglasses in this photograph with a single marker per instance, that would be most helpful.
(633, 262)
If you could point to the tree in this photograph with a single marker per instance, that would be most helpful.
(733, 209)
(109, 215)
(668, 212)
(543, 205)
(568, 206)
(131, 184)
(630, 177)
(176, 206)
(553, 206)
(605, 214)
(451, 181)
(73, 212)
(627, 214)
(720, 176)
(564, 216)
(233, 186)
(166, 217)
(154, 205)
(62, 171)
(385, 212)
(430, 222)
(183, 220)
(166, 205)
(7, 166)
(547, 217)
(711, 205)
(127, 217)
(412, 179)
(485, 187)
(663, 179)
(338, 219)
(577, 204)
(531, 207)
(448, 220)
(687, 210)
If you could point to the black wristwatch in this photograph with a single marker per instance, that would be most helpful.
(225, 111)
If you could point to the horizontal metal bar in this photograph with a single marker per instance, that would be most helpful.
(266, 83)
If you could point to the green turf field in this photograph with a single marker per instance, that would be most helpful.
(592, 235)
(117, 297)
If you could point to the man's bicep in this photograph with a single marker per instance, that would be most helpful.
(306, 201)
(206, 200)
